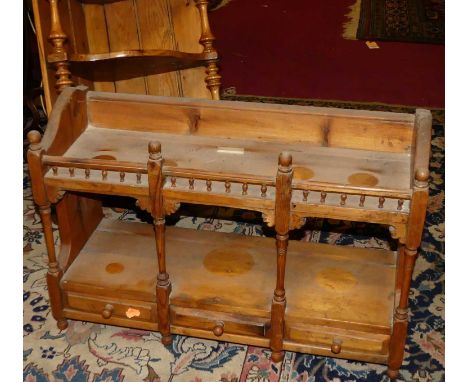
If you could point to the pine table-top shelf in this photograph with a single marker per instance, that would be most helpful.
(287, 162)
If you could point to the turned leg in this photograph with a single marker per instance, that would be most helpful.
(163, 285)
(213, 79)
(58, 57)
(282, 211)
(278, 305)
(400, 320)
(54, 273)
(408, 254)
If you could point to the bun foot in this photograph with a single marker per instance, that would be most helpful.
(62, 324)
(277, 356)
(393, 374)
(166, 340)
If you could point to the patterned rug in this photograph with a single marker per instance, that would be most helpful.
(87, 352)
(420, 21)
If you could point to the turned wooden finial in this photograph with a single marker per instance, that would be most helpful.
(285, 160)
(421, 177)
(422, 174)
(213, 79)
(34, 138)
(58, 57)
(154, 150)
(207, 36)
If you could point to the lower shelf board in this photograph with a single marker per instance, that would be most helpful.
(331, 291)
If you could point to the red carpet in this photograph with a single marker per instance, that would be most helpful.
(294, 49)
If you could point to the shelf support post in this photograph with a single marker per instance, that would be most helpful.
(58, 57)
(282, 212)
(163, 285)
(54, 272)
(408, 255)
(213, 79)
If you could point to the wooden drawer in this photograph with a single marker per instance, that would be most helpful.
(218, 323)
(109, 308)
(338, 340)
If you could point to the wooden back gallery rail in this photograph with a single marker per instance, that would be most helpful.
(289, 163)
(156, 47)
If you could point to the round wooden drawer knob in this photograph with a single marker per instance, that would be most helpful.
(107, 311)
(336, 347)
(218, 329)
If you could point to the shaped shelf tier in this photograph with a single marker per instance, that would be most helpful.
(346, 164)
(214, 272)
(128, 64)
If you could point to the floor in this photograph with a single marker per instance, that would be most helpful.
(295, 49)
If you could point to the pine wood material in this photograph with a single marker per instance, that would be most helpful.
(333, 301)
(159, 47)
(283, 194)
(231, 262)
(163, 285)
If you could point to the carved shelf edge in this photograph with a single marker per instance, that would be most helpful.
(295, 221)
(54, 194)
(170, 206)
(398, 232)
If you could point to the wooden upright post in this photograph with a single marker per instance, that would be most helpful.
(58, 57)
(213, 79)
(54, 273)
(163, 285)
(282, 212)
(409, 247)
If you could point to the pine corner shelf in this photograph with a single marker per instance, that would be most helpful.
(157, 47)
(288, 163)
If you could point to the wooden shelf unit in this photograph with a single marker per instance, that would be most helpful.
(343, 164)
(156, 47)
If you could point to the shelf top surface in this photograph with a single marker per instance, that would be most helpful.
(219, 271)
(247, 157)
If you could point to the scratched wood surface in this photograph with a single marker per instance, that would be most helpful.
(336, 165)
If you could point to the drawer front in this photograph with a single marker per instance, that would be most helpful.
(218, 323)
(338, 340)
(112, 308)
